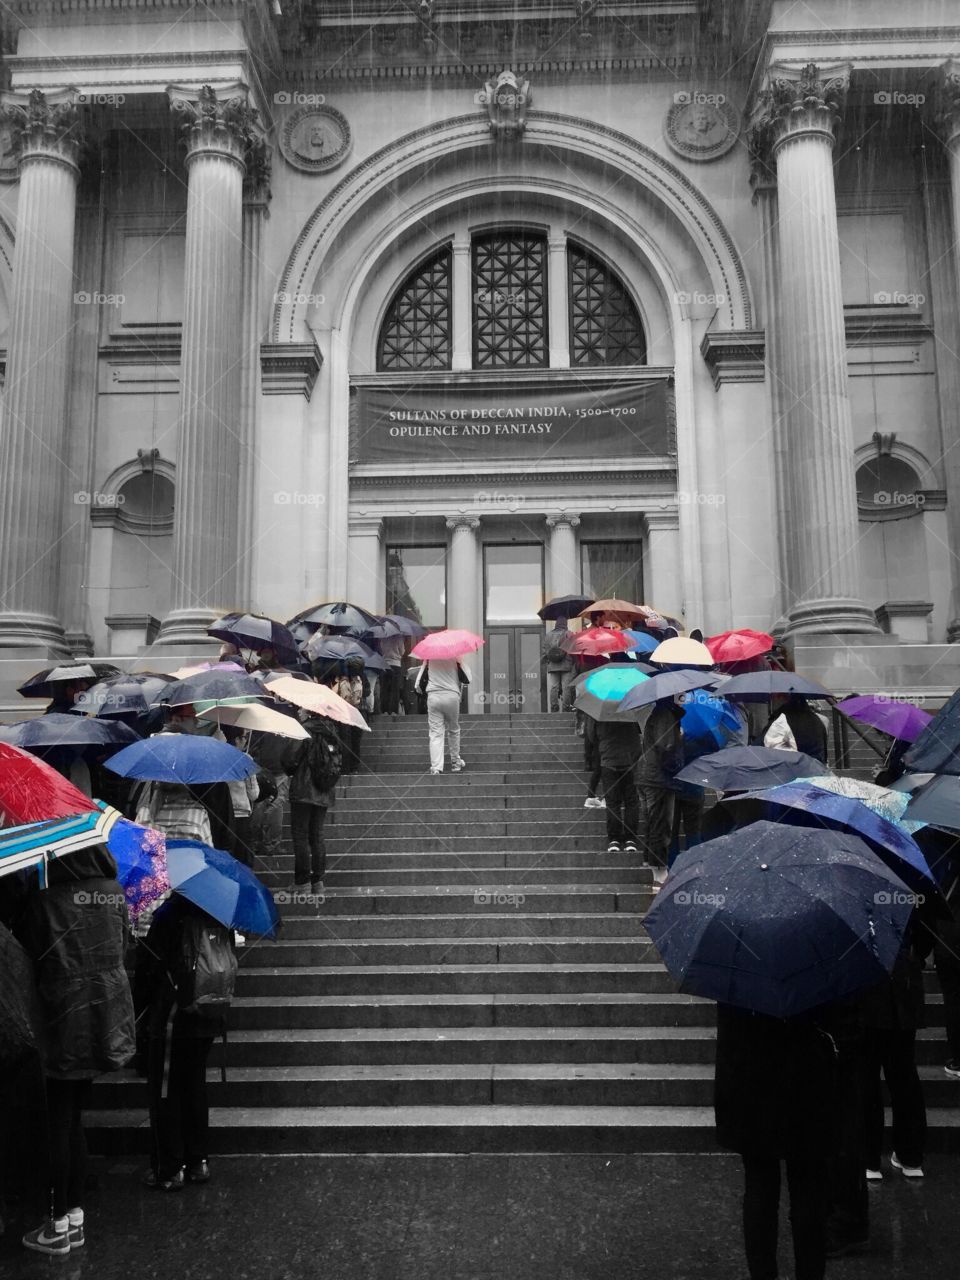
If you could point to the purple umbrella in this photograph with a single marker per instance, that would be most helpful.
(898, 719)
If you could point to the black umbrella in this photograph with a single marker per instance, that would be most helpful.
(336, 649)
(123, 695)
(564, 607)
(256, 631)
(760, 686)
(210, 686)
(406, 626)
(44, 684)
(337, 613)
(63, 730)
(937, 750)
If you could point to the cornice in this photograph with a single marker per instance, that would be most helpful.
(450, 479)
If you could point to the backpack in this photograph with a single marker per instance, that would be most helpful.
(324, 762)
(205, 971)
(556, 656)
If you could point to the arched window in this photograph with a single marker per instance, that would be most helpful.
(605, 326)
(509, 300)
(416, 331)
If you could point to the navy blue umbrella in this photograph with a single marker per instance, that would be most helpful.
(59, 729)
(780, 919)
(760, 686)
(185, 758)
(749, 768)
(937, 802)
(221, 886)
(256, 631)
(406, 626)
(937, 750)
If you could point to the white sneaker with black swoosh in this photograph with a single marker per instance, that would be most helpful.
(52, 1238)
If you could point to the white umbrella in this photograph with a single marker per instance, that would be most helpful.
(253, 715)
(316, 698)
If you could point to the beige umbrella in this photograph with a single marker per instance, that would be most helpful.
(253, 715)
(316, 698)
(681, 651)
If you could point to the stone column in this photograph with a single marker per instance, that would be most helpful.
(559, 302)
(944, 304)
(564, 561)
(32, 445)
(256, 202)
(218, 128)
(663, 573)
(800, 112)
(464, 604)
(365, 580)
(461, 292)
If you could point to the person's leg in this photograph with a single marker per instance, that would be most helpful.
(946, 955)
(553, 690)
(849, 1206)
(243, 841)
(906, 1098)
(318, 855)
(194, 1104)
(436, 728)
(873, 1097)
(631, 808)
(761, 1202)
(164, 1089)
(613, 794)
(60, 1104)
(452, 716)
(807, 1183)
(300, 834)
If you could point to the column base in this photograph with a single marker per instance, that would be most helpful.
(830, 617)
(32, 635)
(188, 627)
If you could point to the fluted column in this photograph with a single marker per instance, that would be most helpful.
(32, 444)
(564, 561)
(218, 133)
(801, 110)
(944, 310)
(463, 579)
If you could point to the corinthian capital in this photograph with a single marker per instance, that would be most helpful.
(219, 121)
(45, 125)
(796, 101)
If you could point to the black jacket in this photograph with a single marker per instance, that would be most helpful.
(157, 959)
(619, 744)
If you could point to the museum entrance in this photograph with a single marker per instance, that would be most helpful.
(513, 592)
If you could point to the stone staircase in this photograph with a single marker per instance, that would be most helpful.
(476, 978)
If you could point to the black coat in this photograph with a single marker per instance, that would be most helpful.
(619, 745)
(157, 959)
(76, 932)
(775, 1091)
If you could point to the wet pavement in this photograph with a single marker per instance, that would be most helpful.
(564, 1217)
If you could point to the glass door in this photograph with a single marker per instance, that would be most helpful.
(513, 592)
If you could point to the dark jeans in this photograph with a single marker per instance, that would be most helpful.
(179, 1111)
(68, 1143)
(309, 849)
(657, 823)
(390, 691)
(849, 1214)
(806, 1181)
(894, 1053)
(946, 955)
(243, 841)
(688, 810)
(623, 804)
(350, 740)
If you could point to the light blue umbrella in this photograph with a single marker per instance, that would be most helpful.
(35, 843)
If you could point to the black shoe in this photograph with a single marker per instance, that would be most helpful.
(613, 846)
(841, 1246)
(952, 1068)
(199, 1171)
(176, 1183)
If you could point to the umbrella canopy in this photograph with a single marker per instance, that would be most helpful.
(406, 626)
(898, 719)
(141, 857)
(680, 651)
(937, 749)
(883, 801)
(32, 790)
(780, 919)
(43, 684)
(121, 695)
(221, 886)
(316, 698)
(802, 804)
(739, 646)
(563, 607)
(666, 685)
(707, 716)
(337, 649)
(449, 644)
(256, 631)
(598, 640)
(336, 613)
(225, 664)
(937, 802)
(643, 642)
(60, 730)
(602, 691)
(254, 715)
(623, 609)
(184, 758)
(760, 686)
(211, 686)
(748, 768)
(34, 843)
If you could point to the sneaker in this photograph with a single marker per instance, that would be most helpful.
(176, 1183)
(198, 1172)
(601, 803)
(613, 846)
(76, 1236)
(874, 1175)
(591, 802)
(952, 1068)
(458, 767)
(630, 847)
(435, 772)
(908, 1171)
(52, 1238)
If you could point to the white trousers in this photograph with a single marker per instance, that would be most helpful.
(443, 720)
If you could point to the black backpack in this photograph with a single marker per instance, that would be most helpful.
(205, 971)
(323, 762)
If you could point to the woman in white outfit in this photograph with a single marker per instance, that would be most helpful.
(443, 679)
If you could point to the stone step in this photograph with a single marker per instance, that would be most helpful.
(502, 923)
(453, 951)
(461, 899)
(518, 827)
(515, 860)
(451, 979)
(592, 837)
(337, 877)
(468, 787)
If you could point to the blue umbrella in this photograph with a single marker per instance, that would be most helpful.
(707, 716)
(59, 729)
(666, 685)
(602, 690)
(210, 686)
(748, 768)
(221, 886)
(937, 750)
(185, 758)
(802, 804)
(644, 643)
(937, 802)
(140, 855)
(780, 919)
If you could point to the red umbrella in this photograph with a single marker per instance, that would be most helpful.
(600, 640)
(738, 646)
(30, 790)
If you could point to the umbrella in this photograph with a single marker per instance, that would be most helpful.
(406, 626)
(780, 919)
(748, 768)
(563, 607)
(61, 730)
(336, 613)
(680, 651)
(211, 686)
(121, 695)
(707, 716)
(222, 664)
(33, 843)
(43, 684)
(642, 641)
(141, 857)
(223, 887)
(898, 719)
(386, 629)
(738, 646)
(184, 758)
(602, 691)
(937, 750)
(882, 800)
(760, 686)
(802, 804)
(316, 698)
(32, 790)
(337, 649)
(937, 803)
(623, 608)
(256, 631)
(667, 684)
(254, 715)
(446, 644)
(598, 640)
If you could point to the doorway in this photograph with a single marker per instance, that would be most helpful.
(513, 592)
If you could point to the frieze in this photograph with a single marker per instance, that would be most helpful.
(315, 139)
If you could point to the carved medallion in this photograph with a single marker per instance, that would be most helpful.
(315, 138)
(702, 126)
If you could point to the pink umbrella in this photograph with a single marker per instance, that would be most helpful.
(316, 698)
(446, 644)
(600, 640)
